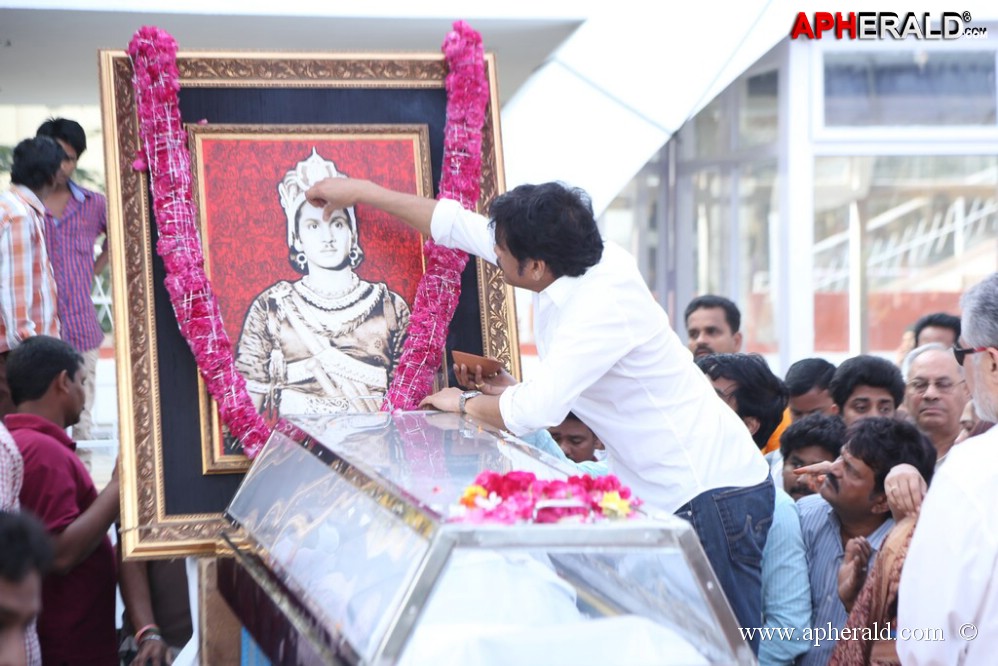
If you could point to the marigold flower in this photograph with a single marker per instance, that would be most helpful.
(615, 506)
(472, 493)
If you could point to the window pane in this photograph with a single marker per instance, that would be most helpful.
(758, 112)
(910, 88)
(712, 221)
(928, 230)
(706, 135)
(757, 205)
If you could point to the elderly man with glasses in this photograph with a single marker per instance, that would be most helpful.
(948, 581)
(935, 394)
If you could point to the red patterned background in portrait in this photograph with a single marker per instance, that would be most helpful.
(246, 229)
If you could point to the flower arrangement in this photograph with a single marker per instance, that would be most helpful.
(440, 287)
(520, 497)
(164, 154)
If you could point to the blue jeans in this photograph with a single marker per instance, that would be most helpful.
(732, 525)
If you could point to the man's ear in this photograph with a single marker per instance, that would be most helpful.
(61, 382)
(537, 268)
(752, 423)
(992, 361)
(738, 341)
(880, 503)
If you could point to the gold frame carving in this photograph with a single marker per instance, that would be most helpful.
(147, 531)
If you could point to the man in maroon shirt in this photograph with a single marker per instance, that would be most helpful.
(76, 626)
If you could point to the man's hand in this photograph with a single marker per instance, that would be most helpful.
(332, 194)
(445, 401)
(905, 489)
(852, 571)
(489, 385)
(814, 475)
(154, 652)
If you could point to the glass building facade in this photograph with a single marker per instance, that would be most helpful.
(836, 191)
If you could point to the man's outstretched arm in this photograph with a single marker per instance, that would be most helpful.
(335, 193)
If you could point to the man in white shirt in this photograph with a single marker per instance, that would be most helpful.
(609, 355)
(949, 583)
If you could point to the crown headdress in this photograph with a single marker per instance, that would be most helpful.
(296, 182)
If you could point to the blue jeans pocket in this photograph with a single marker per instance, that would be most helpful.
(746, 515)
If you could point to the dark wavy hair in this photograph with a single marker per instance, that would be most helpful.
(866, 370)
(883, 443)
(828, 432)
(760, 393)
(552, 223)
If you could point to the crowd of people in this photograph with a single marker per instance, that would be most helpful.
(821, 500)
(58, 567)
(850, 450)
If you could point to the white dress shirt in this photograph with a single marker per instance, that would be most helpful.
(950, 577)
(609, 355)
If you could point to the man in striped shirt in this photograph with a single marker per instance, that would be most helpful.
(76, 217)
(28, 299)
(849, 519)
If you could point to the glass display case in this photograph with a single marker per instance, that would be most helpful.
(349, 533)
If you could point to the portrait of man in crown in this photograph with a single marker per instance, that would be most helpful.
(328, 341)
(317, 323)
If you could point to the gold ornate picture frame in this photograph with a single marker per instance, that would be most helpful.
(170, 506)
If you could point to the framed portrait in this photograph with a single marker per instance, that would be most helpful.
(252, 119)
(311, 287)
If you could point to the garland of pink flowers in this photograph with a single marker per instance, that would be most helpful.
(440, 287)
(520, 497)
(164, 153)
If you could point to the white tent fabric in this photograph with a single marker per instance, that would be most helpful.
(615, 92)
(631, 75)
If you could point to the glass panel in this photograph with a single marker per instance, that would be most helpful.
(757, 206)
(430, 457)
(353, 557)
(929, 227)
(837, 180)
(910, 88)
(707, 134)
(711, 216)
(633, 606)
(758, 113)
(347, 511)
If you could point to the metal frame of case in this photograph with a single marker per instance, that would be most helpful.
(335, 494)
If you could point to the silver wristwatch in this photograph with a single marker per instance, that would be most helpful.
(465, 397)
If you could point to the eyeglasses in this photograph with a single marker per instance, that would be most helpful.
(961, 352)
(920, 386)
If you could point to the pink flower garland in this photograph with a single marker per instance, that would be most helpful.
(156, 80)
(164, 153)
(520, 497)
(440, 286)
